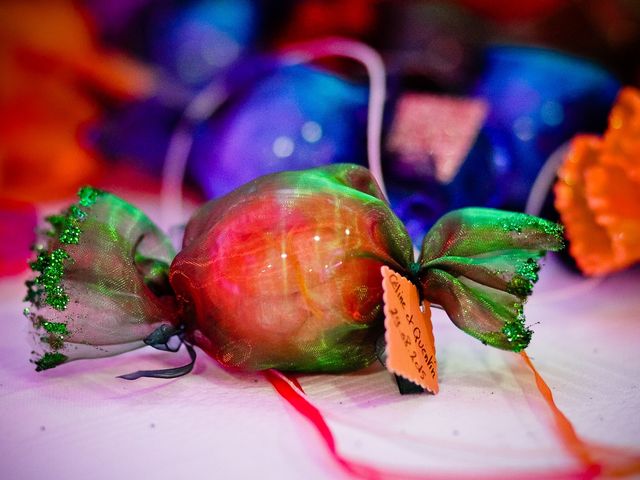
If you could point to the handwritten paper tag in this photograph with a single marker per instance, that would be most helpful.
(411, 349)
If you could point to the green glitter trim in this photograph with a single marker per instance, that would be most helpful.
(516, 331)
(552, 228)
(513, 225)
(524, 279)
(55, 342)
(50, 360)
(88, 196)
(51, 268)
(57, 328)
(520, 286)
(517, 223)
(50, 265)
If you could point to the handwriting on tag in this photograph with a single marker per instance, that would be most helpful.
(411, 349)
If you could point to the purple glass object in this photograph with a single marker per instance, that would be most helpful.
(204, 39)
(537, 100)
(189, 42)
(295, 117)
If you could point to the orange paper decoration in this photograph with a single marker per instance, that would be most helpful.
(598, 192)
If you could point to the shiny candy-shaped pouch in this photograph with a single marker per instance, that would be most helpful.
(283, 272)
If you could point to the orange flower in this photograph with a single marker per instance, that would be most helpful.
(598, 192)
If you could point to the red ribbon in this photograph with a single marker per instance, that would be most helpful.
(291, 391)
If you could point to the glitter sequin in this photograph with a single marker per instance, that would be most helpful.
(519, 223)
(51, 268)
(58, 328)
(525, 277)
(50, 265)
(516, 331)
(55, 342)
(88, 196)
(50, 360)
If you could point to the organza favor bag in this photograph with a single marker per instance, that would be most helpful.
(283, 272)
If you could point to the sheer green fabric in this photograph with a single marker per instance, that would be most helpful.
(102, 286)
(480, 265)
(282, 273)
